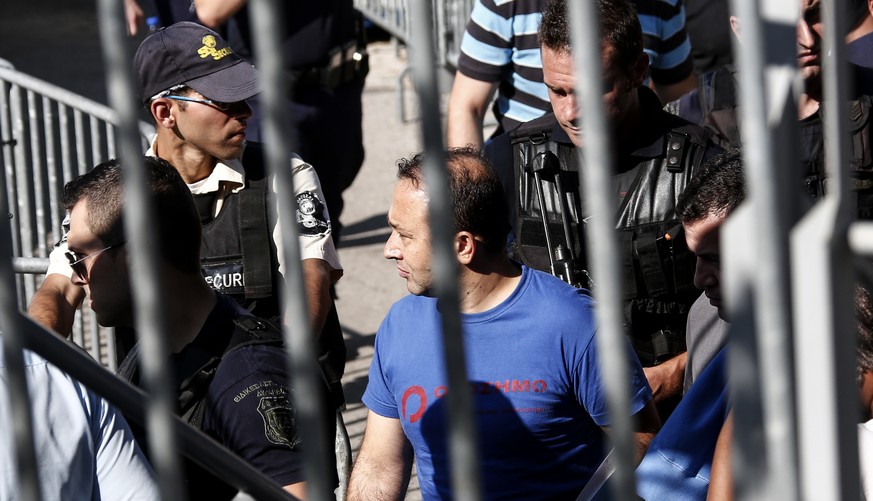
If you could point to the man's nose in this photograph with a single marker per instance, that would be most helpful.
(570, 111)
(805, 36)
(391, 250)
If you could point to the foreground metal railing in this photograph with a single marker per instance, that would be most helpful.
(788, 288)
(49, 136)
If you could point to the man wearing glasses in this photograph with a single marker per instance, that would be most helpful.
(235, 386)
(195, 88)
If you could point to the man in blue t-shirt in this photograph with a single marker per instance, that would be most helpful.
(538, 396)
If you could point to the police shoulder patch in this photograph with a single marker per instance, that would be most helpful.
(311, 219)
(279, 420)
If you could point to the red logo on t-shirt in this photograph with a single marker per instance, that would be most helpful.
(422, 403)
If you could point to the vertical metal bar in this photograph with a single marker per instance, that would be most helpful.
(82, 163)
(298, 341)
(151, 323)
(51, 177)
(37, 173)
(110, 140)
(464, 455)
(822, 270)
(21, 219)
(69, 171)
(97, 155)
(12, 334)
(596, 161)
(9, 139)
(768, 114)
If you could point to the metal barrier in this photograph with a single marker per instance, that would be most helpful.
(809, 449)
(449, 21)
(50, 136)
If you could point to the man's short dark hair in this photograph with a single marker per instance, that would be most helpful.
(477, 197)
(716, 190)
(177, 227)
(619, 28)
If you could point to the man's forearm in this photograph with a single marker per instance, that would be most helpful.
(468, 103)
(667, 378)
(384, 463)
(369, 482)
(54, 304)
(316, 276)
(464, 127)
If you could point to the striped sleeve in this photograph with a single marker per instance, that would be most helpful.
(665, 39)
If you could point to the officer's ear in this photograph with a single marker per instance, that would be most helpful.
(640, 70)
(465, 247)
(162, 113)
(735, 27)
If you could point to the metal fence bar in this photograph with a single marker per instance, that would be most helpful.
(463, 444)
(139, 213)
(828, 439)
(51, 176)
(42, 149)
(768, 114)
(22, 223)
(596, 166)
(13, 341)
(298, 340)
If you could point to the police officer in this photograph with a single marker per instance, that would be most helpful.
(714, 104)
(656, 155)
(195, 88)
(324, 57)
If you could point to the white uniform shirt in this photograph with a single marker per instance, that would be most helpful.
(229, 177)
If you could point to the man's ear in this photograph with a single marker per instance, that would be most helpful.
(735, 27)
(162, 113)
(465, 247)
(640, 70)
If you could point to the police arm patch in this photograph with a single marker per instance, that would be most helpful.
(311, 219)
(279, 420)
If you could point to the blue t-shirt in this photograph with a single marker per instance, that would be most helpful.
(533, 370)
(678, 464)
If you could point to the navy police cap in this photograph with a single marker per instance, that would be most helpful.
(192, 54)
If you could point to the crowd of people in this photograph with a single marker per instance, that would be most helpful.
(526, 290)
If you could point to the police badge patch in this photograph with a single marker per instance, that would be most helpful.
(310, 215)
(279, 421)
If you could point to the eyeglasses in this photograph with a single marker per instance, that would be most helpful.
(78, 264)
(208, 102)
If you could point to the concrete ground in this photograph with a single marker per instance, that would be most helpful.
(57, 40)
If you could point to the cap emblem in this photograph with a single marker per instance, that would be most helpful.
(208, 49)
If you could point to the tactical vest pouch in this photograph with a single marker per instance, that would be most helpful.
(662, 265)
(549, 229)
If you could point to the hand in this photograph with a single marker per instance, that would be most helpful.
(134, 16)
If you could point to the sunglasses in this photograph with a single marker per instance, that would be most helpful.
(78, 264)
(209, 102)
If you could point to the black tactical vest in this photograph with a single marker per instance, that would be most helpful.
(232, 256)
(716, 108)
(658, 269)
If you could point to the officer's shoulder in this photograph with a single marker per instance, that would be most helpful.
(696, 133)
(543, 124)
